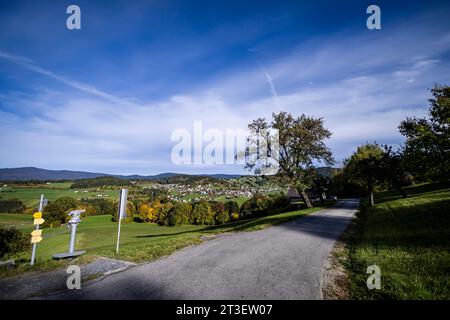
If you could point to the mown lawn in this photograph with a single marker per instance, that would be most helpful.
(409, 239)
(139, 241)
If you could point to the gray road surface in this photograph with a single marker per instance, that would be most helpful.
(281, 262)
(39, 283)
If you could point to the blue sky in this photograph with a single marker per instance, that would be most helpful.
(106, 98)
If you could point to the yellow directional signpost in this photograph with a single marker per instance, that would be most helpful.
(38, 221)
(36, 235)
(37, 215)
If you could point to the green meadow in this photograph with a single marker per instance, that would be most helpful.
(30, 196)
(409, 239)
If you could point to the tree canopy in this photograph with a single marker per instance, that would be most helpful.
(301, 145)
(365, 165)
(427, 145)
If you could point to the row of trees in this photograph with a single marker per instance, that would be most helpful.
(100, 182)
(168, 212)
(12, 206)
(208, 212)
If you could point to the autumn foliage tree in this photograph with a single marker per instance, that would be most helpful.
(148, 212)
(181, 214)
(203, 213)
(55, 213)
(301, 144)
(130, 211)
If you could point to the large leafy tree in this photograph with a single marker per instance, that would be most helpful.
(203, 213)
(365, 165)
(427, 146)
(393, 171)
(55, 213)
(301, 144)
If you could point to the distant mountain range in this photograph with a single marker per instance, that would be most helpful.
(32, 173)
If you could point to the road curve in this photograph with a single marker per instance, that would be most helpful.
(281, 262)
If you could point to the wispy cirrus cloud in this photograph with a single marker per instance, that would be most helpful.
(30, 65)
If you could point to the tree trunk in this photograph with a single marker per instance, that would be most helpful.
(402, 192)
(370, 187)
(322, 200)
(306, 199)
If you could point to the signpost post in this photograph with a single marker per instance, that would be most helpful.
(122, 212)
(73, 222)
(36, 234)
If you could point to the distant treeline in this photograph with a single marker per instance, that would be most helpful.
(186, 179)
(31, 182)
(11, 206)
(99, 182)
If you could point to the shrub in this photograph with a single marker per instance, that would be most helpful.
(262, 205)
(164, 212)
(258, 205)
(231, 206)
(181, 214)
(29, 211)
(12, 241)
(203, 213)
(279, 203)
(90, 210)
(55, 213)
(222, 217)
(234, 216)
(12, 206)
(148, 212)
(98, 206)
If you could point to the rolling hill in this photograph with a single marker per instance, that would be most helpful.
(32, 173)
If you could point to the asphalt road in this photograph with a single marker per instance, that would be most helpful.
(281, 262)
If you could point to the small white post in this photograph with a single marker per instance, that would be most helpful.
(122, 212)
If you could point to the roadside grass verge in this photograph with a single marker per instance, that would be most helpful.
(139, 242)
(409, 239)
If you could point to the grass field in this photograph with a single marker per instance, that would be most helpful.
(409, 239)
(139, 241)
(30, 196)
(20, 221)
